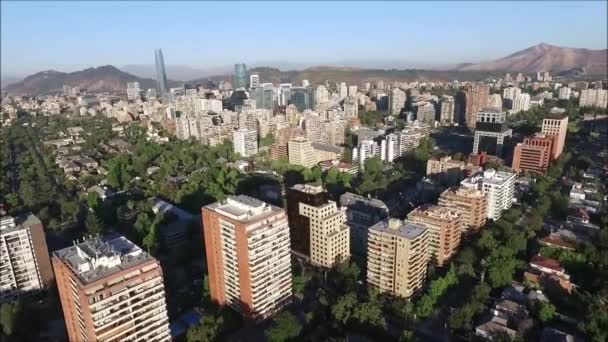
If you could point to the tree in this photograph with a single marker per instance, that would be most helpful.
(544, 311)
(206, 289)
(370, 313)
(209, 329)
(93, 224)
(298, 284)
(407, 336)
(343, 309)
(9, 315)
(93, 200)
(284, 328)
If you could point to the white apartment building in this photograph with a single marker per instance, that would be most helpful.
(133, 91)
(564, 93)
(498, 187)
(510, 93)
(352, 90)
(365, 150)
(111, 290)
(396, 99)
(521, 103)
(245, 142)
(495, 101)
(342, 90)
(329, 234)
(208, 105)
(447, 109)
(321, 95)
(21, 271)
(594, 98)
(254, 81)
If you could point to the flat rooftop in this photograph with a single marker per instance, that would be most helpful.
(242, 208)
(405, 229)
(349, 199)
(308, 188)
(99, 257)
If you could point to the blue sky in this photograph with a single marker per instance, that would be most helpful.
(68, 36)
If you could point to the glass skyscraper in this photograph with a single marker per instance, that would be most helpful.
(161, 75)
(240, 76)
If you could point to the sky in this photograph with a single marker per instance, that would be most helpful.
(73, 35)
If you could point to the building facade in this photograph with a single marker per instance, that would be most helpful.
(470, 204)
(161, 76)
(299, 225)
(111, 290)
(245, 142)
(240, 76)
(248, 256)
(534, 154)
(557, 126)
(301, 152)
(498, 187)
(361, 214)
(491, 129)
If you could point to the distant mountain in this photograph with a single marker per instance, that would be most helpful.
(349, 75)
(174, 72)
(545, 57)
(101, 79)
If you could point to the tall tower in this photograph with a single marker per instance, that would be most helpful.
(161, 75)
(240, 76)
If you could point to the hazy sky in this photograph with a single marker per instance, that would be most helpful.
(68, 36)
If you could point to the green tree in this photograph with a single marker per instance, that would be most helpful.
(209, 329)
(284, 328)
(344, 307)
(298, 284)
(370, 313)
(9, 315)
(93, 200)
(544, 311)
(93, 224)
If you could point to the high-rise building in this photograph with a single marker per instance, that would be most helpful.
(519, 78)
(396, 99)
(25, 266)
(556, 125)
(470, 204)
(507, 77)
(301, 153)
(495, 101)
(303, 98)
(254, 81)
(245, 142)
(510, 93)
(425, 112)
(161, 76)
(329, 234)
(151, 94)
(299, 225)
(361, 214)
(564, 93)
(521, 103)
(352, 90)
(133, 91)
(342, 90)
(240, 76)
(498, 187)
(491, 130)
(447, 109)
(111, 290)
(248, 256)
(594, 98)
(534, 154)
(444, 228)
(321, 95)
(477, 96)
(397, 257)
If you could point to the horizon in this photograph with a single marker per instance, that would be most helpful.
(343, 34)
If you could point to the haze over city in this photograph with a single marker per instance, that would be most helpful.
(287, 35)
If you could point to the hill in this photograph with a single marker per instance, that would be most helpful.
(101, 79)
(545, 57)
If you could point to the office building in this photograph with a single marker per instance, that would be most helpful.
(444, 228)
(361, 214)
(534, 154)
(111, 290)
(471, 204)
(521, 102)
(133, 91)
(396, 99)
(245, 142)
(329, 234)
(25, 266)
(299, 225)
(491, 130)
(161, 76)
(447, 109)
(498, 187)
(303, 98)
(556, 125)
(397, 257)
(254, 81)
(301, 152)
(240, 76)
(477, 96)
(248, 256)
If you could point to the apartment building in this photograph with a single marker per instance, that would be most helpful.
(248, 256)
(498, 187)
(111, 290)
(25, 266)
(444, 229)
(397, 257)
(329, 234)
(594, 98)
(301, 152)
(534, 154)
(449, 170)
(299, 225)
(245, 142)
(470, 204)
(556, 125)
(361, 214)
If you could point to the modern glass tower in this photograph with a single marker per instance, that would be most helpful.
(240, 76)
(161, 75)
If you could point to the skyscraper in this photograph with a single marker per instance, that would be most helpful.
(477, 96)
(161, 75)
(240, 76)
(248, 255)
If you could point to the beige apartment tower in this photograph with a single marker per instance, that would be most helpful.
(444, 228)
(329, 234)
(557, 126)
(248, 256)
(301, 152)
(470, 204)
(111, 290)
(397, 257)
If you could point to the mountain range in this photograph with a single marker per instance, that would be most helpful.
(541, 57)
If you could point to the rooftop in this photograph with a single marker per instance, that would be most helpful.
(405, 229)
(242, 208)
(97, 257)
(490, 176)
(327, 147)
(309, 188)
(349, 199)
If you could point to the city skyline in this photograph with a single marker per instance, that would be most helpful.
(343, 33)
